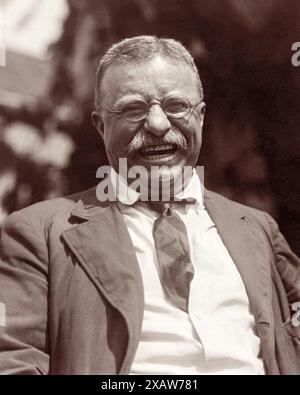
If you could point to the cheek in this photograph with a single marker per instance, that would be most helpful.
(118, 136)
(192, 132)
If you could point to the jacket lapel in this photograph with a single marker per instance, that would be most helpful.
(103, 247)
(249, 251)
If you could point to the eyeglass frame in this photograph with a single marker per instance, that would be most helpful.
(191, 107)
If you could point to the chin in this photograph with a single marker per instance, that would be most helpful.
(169, 173)
(166, 181)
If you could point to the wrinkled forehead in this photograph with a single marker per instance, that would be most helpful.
(155, 73)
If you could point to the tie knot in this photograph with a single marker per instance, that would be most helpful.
(165, 208)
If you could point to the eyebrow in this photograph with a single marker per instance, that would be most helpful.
(128, 98)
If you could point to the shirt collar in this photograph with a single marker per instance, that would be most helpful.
(128, 196)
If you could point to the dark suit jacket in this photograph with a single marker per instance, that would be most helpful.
(73, 291)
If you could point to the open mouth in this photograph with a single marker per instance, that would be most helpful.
(158, 151)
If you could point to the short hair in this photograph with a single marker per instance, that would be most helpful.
(140, 49)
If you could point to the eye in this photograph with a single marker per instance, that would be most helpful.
(134, 109)
(176, 106)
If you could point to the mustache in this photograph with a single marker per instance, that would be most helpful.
(144, 140)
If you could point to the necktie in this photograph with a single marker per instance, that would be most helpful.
(173, 252)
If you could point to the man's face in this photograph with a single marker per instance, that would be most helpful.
(158, 140)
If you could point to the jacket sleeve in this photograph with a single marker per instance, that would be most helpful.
(23, 296)
(287, 264)
(286, 301)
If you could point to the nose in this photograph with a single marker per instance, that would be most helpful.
(157, 122)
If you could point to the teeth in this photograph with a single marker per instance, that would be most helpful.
(158, 148)
(155, 157)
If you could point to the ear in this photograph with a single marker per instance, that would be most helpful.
(98, 123)
(202, 108)
(202, 112)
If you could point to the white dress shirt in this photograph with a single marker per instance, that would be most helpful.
(217, 335)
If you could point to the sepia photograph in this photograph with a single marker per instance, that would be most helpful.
(149, 190)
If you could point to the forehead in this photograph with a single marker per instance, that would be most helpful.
(155, 78)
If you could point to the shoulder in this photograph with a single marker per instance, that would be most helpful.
(239, 209)
(41, 215)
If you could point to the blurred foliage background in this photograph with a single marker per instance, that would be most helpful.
(251, 151)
